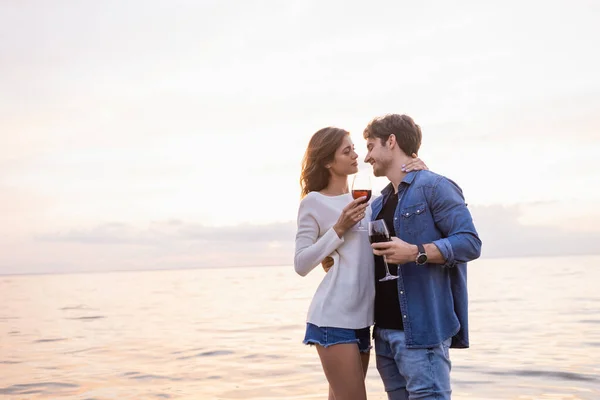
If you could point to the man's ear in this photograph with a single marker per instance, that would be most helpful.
(391, 142)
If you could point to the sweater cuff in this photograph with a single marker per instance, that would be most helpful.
(331, 238)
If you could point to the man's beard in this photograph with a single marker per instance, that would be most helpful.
(378, 170)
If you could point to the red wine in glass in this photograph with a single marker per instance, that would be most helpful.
(379, 238)
(378, 232)
(358, 193)
(361, 186)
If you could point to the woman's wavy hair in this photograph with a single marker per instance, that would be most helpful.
(320, 151)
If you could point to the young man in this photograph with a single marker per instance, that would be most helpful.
(423, 313)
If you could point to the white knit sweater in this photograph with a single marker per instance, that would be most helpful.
(345, 297)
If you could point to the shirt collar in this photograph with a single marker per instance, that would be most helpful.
(408, 179)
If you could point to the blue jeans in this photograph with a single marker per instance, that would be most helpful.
(411, 374)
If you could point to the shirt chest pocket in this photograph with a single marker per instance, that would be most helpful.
(413, 218)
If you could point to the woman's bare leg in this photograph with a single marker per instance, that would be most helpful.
(364, 358)
(331, 395)
(343, 367)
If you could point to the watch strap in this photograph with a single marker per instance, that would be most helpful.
(421, 255)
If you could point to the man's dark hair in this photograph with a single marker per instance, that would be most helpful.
(408, 134)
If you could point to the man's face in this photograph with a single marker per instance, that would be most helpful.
(379, 156)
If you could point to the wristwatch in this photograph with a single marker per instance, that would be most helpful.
(421, 256)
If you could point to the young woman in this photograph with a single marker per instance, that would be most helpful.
(341, 312)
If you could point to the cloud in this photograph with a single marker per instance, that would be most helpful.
(162, 233)
(500, 228)
(174, 244)
(503, 235)
(170, 244)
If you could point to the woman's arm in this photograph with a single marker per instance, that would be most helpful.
(310, 249)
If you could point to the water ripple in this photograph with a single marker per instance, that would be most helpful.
(207, 354)
(49, 340)
(270, 356)
(568, 376)
(83, 350)
(255, 328)
(33, 388)
(183, 351)
(150, 377)
(78, 307)
(590, 321)
(471, 382)
(88, 318)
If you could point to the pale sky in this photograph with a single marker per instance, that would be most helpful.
(155, 134)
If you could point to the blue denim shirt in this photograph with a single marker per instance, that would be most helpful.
(433, 297)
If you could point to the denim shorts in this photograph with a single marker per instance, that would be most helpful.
(327, 336)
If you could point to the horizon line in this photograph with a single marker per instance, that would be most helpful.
(255, 266)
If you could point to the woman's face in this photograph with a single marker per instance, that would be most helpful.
(345, 161)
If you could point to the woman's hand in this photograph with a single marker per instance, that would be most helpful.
(416, 164)
(351, 214)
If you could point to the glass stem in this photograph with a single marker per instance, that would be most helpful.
(387, 269)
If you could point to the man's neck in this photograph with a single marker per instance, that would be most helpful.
(395, 173)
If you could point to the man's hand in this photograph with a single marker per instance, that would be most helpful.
(397, 251)
(327, 263)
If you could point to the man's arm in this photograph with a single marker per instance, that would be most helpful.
(460, 242)
(327, 263)
(399, 252)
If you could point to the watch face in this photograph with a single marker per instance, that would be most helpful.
(422, 259)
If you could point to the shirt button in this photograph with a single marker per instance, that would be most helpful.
(401, 292)
(404, 316)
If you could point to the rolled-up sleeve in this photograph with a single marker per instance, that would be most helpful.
(310, 248)
(461, 242)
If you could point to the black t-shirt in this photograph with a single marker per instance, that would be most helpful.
(387, 306)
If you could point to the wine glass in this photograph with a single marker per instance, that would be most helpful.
(361, 186)
(378, 232)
